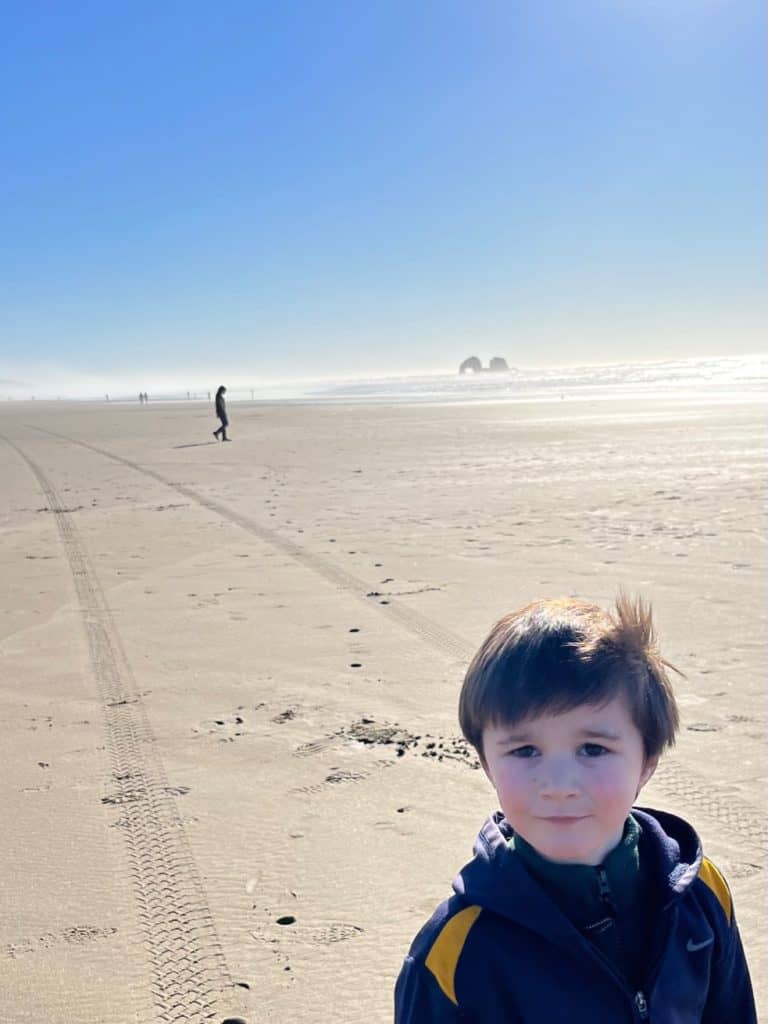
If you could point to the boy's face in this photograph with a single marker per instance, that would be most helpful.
(566, 782)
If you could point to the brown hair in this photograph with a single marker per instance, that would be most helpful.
(552, 656)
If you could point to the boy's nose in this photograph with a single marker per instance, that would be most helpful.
(557, 780)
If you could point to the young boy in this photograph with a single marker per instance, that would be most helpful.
(577, 907)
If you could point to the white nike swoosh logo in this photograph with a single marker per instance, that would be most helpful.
(692, 946)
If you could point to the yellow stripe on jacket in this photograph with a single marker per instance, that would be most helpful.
(712, 878)
(444, 956)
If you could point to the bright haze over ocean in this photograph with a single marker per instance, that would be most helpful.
(740, 380)
(195, 194)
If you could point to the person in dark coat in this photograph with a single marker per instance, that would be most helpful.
(221, 412)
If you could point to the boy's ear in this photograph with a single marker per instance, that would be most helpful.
(648, 770)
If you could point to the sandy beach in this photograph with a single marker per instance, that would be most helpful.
(228, 677)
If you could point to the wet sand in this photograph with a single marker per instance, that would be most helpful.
(228, 677)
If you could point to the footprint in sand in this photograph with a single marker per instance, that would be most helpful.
(284, 716)
(320, 933)
(340, 777)
(316, 746)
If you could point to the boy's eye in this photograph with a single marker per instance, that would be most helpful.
(594, 749)
(527, 751)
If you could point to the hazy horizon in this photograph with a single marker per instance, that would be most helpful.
(751, 368)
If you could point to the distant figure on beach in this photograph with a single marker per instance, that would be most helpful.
(221, 412)
(578, 905)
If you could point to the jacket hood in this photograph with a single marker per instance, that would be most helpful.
(497, 880)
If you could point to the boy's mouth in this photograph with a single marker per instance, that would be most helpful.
(564, 819)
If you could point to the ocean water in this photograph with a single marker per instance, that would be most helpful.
(741, 379)
(733, 379)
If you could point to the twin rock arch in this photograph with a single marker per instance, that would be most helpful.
(473, 365)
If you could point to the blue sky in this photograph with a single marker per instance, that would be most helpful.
(283, 189)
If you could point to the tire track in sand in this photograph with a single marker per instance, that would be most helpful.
(188, 970)
(736, 815)
(408, 618)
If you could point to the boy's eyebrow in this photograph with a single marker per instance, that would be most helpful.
(523, 737)
(601, 734)
(511, 737)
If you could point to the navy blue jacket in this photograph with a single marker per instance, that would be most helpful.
(500, 950)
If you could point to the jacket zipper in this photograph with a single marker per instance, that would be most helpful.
(637, 999)
(606, 896)
(642, 1005)
(640, 1001)
(605, 890)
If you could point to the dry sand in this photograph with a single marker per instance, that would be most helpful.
(229, 677)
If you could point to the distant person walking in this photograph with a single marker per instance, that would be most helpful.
(221, 412)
